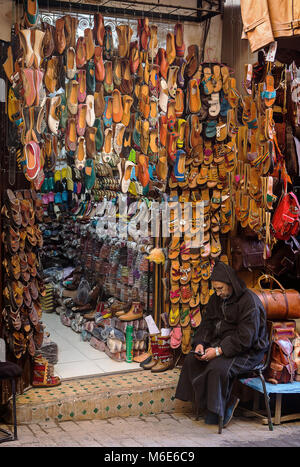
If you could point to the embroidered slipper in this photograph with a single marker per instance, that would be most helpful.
(208, 153)
(185, 251)
(185, 293)
(185, 316)
(174, 294)
(185, 273)
(175, 271)
(215, 222)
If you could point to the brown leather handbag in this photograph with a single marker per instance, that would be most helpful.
(282, 368)
(279, 303)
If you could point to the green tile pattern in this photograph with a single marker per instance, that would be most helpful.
(128, 394)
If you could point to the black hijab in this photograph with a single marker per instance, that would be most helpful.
(224, 273)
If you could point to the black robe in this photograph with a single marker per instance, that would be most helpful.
(238, 326)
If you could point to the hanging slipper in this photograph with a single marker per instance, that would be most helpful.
(185, 251)
(244, 210)
(185, 316)
(254, 218)
(195, 316)
(175, 271)
(175, 337)
(216, 199)
(202, 177)
(214, 105)
(221, 131)
(196, 272)
(205, 269)
(268, 94)
(174, 315)
(207, 82)
(204, 295)
(185, 293)
(213, 176)
(217, 79)
(185, 273)
(186, 345)
(225, 78)
(195, 300)
(216, 247)
(233, 95)
(208, 153)
(174, 294)
(174, 248)
(205, 248)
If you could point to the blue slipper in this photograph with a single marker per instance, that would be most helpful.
(230, 411)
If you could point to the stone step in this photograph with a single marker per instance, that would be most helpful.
(133, 393)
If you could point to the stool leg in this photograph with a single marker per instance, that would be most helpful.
(220, 425)
(13, 386)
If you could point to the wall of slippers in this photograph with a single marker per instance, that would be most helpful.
(95, 119)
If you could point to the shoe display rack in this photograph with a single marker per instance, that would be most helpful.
(23, 286)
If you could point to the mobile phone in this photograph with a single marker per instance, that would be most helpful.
(200, 354)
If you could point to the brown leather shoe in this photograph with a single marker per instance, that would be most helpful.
(74, 25)
(99, 102)
(59, 37)
(192, 60)
(89, 43)
(99, 64)
(51, 74)
(99, 29)
(135, 312)
(170, 48)
(80, 52)
(90, 139)
(48, 42)
(68, 30)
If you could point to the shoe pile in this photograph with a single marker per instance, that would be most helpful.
(23, 284)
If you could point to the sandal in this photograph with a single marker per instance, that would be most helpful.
(186, 339)
(185, 293)
(174, 294)
(195, 316)
(174, 315)
(175, 271)
(185, 273)
(216, 247)
(174, 248)
(185, 316)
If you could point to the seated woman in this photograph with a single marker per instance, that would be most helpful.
(231, 339)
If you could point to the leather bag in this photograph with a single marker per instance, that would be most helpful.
(285, 259)
(286, 218)
(281, 303)
(282, 368)
(247, 253)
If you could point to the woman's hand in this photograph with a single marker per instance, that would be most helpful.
(210, 353)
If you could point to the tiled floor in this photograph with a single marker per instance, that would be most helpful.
(77, 358)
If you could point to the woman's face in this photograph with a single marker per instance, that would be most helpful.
(222, 289)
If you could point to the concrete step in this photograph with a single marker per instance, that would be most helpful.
(133, 393)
